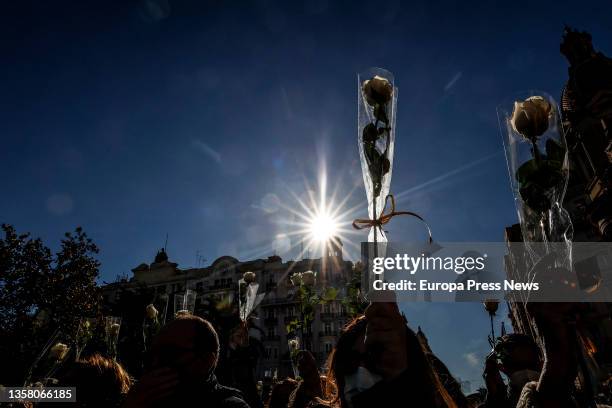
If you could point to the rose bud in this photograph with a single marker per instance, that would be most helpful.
(309, 278)
(114, 329)
(530, 118)
(377, 91)
(249, 277)
(59, 351)
(151, 311)
(296, 279)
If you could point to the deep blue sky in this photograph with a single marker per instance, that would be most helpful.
(135, 119)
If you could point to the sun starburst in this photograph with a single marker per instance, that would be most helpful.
(320, 218)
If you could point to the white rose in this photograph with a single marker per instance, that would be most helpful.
(294, 344)
(530, 117)
(151, 311)
(309, 278)
(377, 91)
(59, 351)
(296, 279)
(114, 329)
(249, 277)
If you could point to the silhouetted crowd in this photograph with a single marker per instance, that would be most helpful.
(378, 362)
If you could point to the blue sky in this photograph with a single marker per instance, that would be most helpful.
(135, 119)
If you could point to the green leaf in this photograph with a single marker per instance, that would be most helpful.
(330, 294)
(292, 326)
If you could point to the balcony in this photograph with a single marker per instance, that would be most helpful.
(329, 315)
(271, 321)
(278, 301)
(220, 286)
(331, 333)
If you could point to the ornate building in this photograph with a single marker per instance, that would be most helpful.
(216, 287)
(586, 107)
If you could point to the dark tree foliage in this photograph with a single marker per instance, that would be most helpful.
(41, 292)
(353, 301)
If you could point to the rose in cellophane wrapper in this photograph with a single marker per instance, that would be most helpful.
(57, 351)
(150, 325)
(112, 326)
(376, 107)
(377, 101)
(248, 298)
(537, 157)
(84, 335)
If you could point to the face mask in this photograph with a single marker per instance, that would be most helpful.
(522, 377)
(359, 381)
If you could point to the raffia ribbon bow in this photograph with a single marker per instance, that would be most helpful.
(362, 223)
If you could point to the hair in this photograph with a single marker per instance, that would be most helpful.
(281, 392)
(206, 338)
(432, 390)
(100, 381)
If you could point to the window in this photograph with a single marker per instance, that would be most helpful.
(328, 329)
(328, 348)
(199, 286)
(275, 352)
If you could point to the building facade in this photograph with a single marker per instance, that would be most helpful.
(216, 290)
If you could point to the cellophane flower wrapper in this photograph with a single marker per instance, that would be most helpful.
(85, 333)
(58, 350)
(161, 303)
(248, 298)
(385, 147)
(150, 328)
(539, 186)
(184, 303)
(294, 345)
(112, 327)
